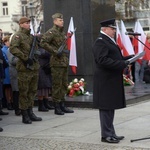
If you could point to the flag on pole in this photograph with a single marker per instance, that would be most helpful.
(31, 28)
(135, 41)
(119, 42)
(142, 38)
(126, 40)
(71, 43)
(147, 51)
(34, 26)
(140, 46)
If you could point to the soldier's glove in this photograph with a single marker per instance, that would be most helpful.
(29, 62)
(59, 53)
(127, 62)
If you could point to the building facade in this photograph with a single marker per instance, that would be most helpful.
(131, 11)
(126, 10)
(12, 10)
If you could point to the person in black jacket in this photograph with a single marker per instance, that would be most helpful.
(108, 88)
(44, 81)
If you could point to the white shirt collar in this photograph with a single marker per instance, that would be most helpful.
(108, 36)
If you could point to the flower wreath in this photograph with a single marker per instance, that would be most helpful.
(76, 87)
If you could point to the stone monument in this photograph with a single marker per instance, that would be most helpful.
(86, 15)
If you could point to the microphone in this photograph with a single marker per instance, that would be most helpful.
(132, 33)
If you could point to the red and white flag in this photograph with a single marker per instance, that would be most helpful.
(71, 43)
(31, 28)
(126, 40)
(147, 51)
(140, 46)
(119, 42)
(142, 38)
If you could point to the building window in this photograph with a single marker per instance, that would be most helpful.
(24, 10)
(128, 10)
(24, 7)
(5, 8)
(144, 4)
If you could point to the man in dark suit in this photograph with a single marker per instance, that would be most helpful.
(108, 90)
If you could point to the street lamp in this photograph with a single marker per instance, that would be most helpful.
(31, 9)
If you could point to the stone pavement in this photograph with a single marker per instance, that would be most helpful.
(77, 131)
(80, 130)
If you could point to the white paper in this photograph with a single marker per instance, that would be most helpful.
(137, 56)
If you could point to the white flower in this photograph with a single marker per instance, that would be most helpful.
(69, 87)
(70, 83)
(75, 80)
(82, 79)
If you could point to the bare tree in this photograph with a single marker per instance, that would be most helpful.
(39, 7)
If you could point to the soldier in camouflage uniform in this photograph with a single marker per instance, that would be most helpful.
(20, 46)
(59, 62)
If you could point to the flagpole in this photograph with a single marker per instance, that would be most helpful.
(141, 42)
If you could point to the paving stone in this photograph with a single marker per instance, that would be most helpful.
(10, 143)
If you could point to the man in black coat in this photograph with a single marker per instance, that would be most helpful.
(108, 90)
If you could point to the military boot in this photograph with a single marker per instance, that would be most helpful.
(64, 108)
(32, 116)
(41, 106)
(1, 129)
(25, 117)
(57, 110)
(16, 103)
(47, 105)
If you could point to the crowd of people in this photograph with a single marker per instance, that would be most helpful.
(136, 71)
(44, 76)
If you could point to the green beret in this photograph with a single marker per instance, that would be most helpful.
(57, 15)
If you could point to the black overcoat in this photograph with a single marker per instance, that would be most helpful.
(45, 80)
(108, 88)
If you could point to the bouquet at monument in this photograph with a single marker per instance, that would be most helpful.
(76, 87)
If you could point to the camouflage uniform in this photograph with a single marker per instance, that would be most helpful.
(27, 79)
(51, 41)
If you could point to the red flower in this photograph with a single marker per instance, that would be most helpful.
(76, 87)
